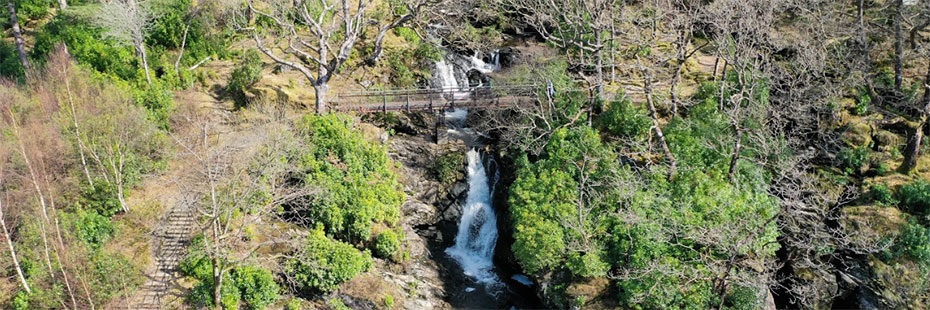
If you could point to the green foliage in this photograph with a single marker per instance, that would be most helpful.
(853, 159)
(113, 276)
(386, 244)
(247, 73)
(624, 120)
(256, 286)
(10, 66)
(294, 304)
(337, 304)
(545, 194)
(447, 167)
(100, 198)
(389, 301)
(21, 301)
(883, 195)
(324, 263)
(31, 9)
(915, 197)
(862, 102)
(87, 45)
(158, 102)
(91, 228)
(913, 242)
(358, 182)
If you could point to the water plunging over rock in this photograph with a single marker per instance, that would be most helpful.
(477, 234)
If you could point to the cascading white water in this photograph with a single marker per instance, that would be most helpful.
(449, 83)
(477, 233)
(485, 67)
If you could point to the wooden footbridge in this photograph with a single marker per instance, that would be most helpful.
(435, 99)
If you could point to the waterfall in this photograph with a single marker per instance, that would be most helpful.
(484, 67)
(447, 80)
(477, 233)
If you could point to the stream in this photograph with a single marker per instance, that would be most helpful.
(473, 280)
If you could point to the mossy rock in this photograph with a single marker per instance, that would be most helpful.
(886, 141)
(858, 133)
(899, 284)
(870, 225)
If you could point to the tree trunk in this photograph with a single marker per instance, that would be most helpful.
(77, 130)
(177, 62)
(898, 46)
(659, 134)
(63, 4)
(320, 91)
(217, 281)
(731, 175)
(9, 243)
(912, 150)
(140, 48)
(18, 35)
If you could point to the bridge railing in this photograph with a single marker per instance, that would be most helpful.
(431, 98)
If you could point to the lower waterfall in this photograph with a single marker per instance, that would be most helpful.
(477, 231)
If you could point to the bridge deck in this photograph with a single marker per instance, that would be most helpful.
(435, 98)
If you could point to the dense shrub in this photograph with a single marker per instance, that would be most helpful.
(113, 276)
(10, 66)
(914, 241)
(247, 73)
(883, 195)
(358, 182)
(100, 198)
(386, 244)
(915, 197)
(624, 120)
(87, 45)
(853, 159)
(90, 227)
(256, 286)
(324, 263)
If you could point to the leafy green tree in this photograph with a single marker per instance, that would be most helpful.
(357, 179)
(558, 204)
(322, 264)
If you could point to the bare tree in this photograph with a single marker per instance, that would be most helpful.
(578, 27)
(127, 21)
(314, 37)
(401, 14)
(6, 231)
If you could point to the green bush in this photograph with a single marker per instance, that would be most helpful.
(91, 228)
(915, 197)
(158, 102)
(853, 159)
(31, 9)
(256, 286)
(324, 263)
(113, 276)
(10, 66)
(247, 73)
(100, 198)
(358, 182)
(389, 301)
(447, 167)
(624, 120)
(294, 304)
(88, 46)
(386, 244)
(883, 195)
(914, 242)
(862, 102)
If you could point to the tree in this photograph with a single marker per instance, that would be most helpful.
(6, 232)
(18, 35)
(578, 27)
(314, 37)
(232, 195)
(128, 21)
